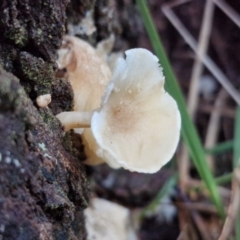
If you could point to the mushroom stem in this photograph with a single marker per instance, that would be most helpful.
(72, 120)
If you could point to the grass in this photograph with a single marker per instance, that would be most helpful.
(236, 161)
(236, 144)
(189, 133)
(221, 148)
(224, 179)
(165, 190)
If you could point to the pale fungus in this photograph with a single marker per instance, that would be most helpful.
(108, 220)
(87, 72)
(43, 100)
(137, 126)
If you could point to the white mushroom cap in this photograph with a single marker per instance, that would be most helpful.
(138, 127)
(108, 220)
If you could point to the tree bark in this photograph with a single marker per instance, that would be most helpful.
(43, 186)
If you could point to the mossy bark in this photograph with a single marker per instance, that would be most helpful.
(43, 186)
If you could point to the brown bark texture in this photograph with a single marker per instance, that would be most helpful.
(43, 186)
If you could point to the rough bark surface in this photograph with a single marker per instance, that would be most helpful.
(31, 34)
(43, 187)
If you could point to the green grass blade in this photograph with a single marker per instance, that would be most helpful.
(226, 178)
(166, 189)
(236, 160)
(220, 148)
(189, 133)
(236, 144)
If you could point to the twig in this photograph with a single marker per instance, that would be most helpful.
(213, 125)
(224, 192)
(201, 226)
(233, 208)
(230, 12)
(202, 49)
(208, 62)
(201, 207)
(177, 3)
(230, 113)
(183, 234)
(193, 97)
(194, 215)
(183, 168)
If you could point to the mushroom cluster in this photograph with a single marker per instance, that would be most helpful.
(134, 123)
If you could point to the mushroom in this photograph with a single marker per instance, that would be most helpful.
(108, 220)
(138, 125)
(87, 72)
(43, 100)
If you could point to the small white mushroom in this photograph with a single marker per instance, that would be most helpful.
(87, 72)
(138, 124)
(43, 100)
(108, 220)
(89, 75)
